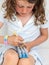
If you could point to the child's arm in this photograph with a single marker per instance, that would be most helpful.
(39, 40)
(13, 40)
(1, 37)
(1, 24)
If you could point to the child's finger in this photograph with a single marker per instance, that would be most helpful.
(20, 38)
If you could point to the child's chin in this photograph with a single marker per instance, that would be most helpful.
(23, 15)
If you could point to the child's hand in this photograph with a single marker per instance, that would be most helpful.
(15, 40)
(27, 45)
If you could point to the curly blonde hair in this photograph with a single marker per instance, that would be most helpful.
(38, 9)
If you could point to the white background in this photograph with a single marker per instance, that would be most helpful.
(42, 49)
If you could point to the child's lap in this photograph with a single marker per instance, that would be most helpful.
(32, 53)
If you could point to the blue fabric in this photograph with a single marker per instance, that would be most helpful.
(22, 52)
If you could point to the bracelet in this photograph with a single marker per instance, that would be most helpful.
(6, 39)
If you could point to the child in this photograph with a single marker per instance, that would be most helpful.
(27, 19)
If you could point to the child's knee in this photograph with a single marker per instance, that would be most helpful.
(11, 55)
(27, 61)
(24, 61)
(32, 60)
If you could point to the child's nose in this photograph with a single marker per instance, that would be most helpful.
(24, 10)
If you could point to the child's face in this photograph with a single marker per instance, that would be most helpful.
(23, 7)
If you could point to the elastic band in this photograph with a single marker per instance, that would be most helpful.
(6, 39)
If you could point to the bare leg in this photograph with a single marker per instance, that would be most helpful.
(27, 61)
(10, 58)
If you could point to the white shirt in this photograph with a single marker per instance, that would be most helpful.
(28, 32)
